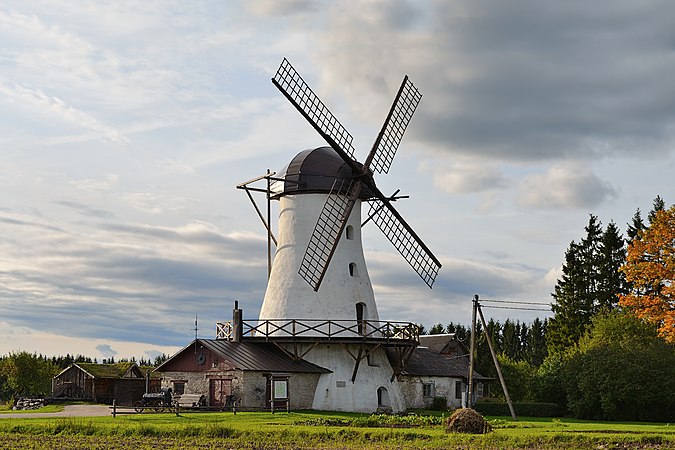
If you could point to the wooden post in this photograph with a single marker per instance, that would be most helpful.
(177, 409)
(499, 370)
(269, 226)
(114, 408)
(472, 350)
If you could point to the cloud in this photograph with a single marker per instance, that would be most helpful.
(53, 106)
(106, 350)
(564, 186)
(512, 80)
(468, 177)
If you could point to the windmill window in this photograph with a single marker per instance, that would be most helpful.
(353, 271)
(350, 232)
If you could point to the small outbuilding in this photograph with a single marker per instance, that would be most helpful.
(125, 382)
(252, 375)
(438, 367)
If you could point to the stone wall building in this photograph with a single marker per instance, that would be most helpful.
(254, 375)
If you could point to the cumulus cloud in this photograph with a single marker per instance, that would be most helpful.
(513, 80)
(564, 186)
(468, 177)
(106, 350)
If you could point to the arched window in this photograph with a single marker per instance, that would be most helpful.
(350, 232)
(361, 318)
(383, 397)
(353, 271)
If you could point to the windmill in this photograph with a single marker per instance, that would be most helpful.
(346, 191)
(319, 303)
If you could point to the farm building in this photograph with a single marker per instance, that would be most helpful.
(126, 382)
(438, 368)
(253, 373)
(246, 372)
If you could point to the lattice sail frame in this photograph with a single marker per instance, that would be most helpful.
(293, 86)
(394, 127)
(327, 230)
(408, 245)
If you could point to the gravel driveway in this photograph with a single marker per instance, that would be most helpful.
(68, 411)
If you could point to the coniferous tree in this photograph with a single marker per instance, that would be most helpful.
(657, 205)
(635, 227)
(436, 329)
(536, 350)
(569, 321)
(591, 281)
(612, 282)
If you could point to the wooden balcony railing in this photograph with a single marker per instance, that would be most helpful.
(308, 329)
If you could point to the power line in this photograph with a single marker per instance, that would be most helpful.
(515, 302)
(514, 307)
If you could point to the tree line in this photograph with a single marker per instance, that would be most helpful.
(24, 374)
(608, 352)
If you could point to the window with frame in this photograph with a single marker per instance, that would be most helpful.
(178, 387)
(428, 390)
(458, 389)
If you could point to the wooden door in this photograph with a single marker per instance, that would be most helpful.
(219, 389)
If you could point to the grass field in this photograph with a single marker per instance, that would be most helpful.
(310, 429)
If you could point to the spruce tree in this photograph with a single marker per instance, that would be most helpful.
(635, 227)
(657, 205)
(612, 282)
(569, 321)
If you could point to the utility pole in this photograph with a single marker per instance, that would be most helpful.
(494, 359)
(469, 401)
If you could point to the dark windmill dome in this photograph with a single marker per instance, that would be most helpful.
(315, 171)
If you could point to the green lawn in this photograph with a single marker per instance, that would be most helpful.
(290, 430)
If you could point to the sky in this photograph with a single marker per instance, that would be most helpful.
(125, 127)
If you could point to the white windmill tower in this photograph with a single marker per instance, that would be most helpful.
(319, 303)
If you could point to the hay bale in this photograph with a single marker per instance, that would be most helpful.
(467, 420)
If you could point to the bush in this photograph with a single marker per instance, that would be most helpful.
(467, 420)
(439, 404)
(526, 409)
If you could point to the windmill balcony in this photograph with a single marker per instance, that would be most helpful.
(311, 330)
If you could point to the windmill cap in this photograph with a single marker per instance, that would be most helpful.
(314, 171)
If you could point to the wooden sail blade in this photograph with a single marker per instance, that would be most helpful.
(406, 241)
(327, 231)
(296, 90)
(387, 142)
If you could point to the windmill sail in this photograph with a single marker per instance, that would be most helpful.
(341, 200)
(389, 138)
(327, 231)
(406, 241)
(291, 84)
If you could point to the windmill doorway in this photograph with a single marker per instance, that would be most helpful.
(383, 403)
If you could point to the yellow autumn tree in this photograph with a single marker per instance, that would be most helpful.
(650, 268)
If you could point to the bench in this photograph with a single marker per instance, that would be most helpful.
(190, 400)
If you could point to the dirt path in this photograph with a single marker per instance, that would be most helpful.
(68, 411)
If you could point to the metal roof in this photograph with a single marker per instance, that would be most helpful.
(254, 356)
(314, 171)
(426, 362)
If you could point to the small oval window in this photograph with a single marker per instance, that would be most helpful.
(353, 272)
(350, 232)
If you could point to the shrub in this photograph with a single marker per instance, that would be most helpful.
(439, 404)
(467, 420)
